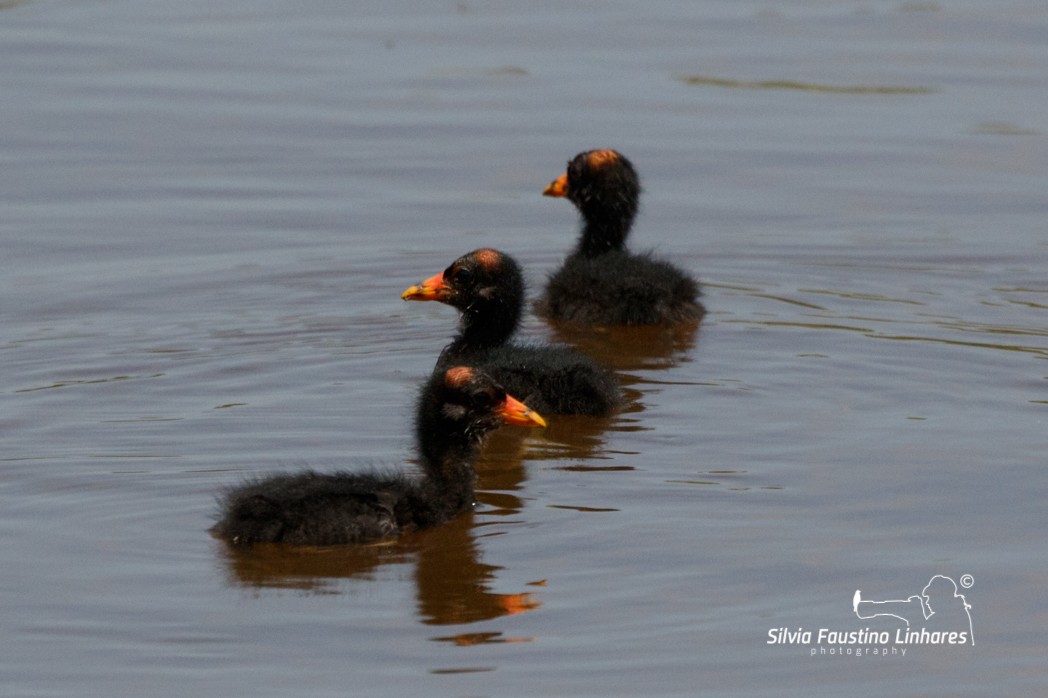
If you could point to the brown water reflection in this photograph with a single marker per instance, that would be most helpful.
(452, 585)
(632, 348)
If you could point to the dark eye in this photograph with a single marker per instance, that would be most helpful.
(459, 275)
(483, 399)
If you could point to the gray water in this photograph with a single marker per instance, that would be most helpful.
(208, 212)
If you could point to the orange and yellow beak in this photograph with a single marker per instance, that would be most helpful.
(558, 187)
(513, 411)
(432, 289)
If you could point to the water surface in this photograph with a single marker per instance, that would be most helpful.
(209, 213)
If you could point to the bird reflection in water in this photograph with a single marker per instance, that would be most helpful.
(453, 585)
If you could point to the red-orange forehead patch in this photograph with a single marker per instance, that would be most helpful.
(597, 159)
(458, 377)
(488, 258)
